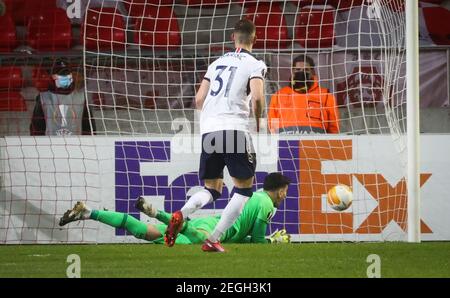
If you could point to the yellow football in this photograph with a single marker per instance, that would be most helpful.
(340, 197)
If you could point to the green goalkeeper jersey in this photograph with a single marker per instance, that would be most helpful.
(250, 226)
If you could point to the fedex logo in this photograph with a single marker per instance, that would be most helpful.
(149, 168)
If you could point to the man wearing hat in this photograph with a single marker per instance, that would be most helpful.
(62, 110)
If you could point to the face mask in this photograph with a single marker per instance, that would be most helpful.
(302, 81)
(64, 81)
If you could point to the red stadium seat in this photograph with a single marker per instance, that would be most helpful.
(12, 101)
(136, 7)
(210, 3)
(437, 20)
(346, 4)
(41, 79)
(23, 10)
(11, 77)
(50, 31)
(315, 27)
(339, 4)
(8, 37)
(11, 81)
(310, 2)
(271, 29)
(158, 28)
(15, 9)
(105, 29)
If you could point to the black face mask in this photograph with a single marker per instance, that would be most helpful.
(302, 81)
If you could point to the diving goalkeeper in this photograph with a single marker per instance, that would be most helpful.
(250, 227)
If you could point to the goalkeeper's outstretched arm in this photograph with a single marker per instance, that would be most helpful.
(259, 235)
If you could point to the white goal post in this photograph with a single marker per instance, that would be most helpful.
(413, 119)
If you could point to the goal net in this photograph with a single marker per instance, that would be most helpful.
(143, 61)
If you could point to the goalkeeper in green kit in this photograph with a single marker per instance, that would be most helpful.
(250, 227)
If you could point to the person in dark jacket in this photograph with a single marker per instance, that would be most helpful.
(62, 110)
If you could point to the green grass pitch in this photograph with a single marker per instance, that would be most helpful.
(429, 259)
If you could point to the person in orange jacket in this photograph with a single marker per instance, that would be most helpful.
(304, 106)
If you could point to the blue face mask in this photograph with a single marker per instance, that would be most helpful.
(64, 81)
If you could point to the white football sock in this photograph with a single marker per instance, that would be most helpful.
(197, 201)
(229, 216)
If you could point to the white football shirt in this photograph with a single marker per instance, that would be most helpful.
(227, 104)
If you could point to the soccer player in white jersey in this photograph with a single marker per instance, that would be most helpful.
(231, 83)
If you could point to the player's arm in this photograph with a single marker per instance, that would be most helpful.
(201, 94)
(257, 97)
(258, 234)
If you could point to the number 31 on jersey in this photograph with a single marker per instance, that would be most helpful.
(221, 77)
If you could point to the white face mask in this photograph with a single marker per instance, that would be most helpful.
(63, 81)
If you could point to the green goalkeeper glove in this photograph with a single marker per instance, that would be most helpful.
(280, 236)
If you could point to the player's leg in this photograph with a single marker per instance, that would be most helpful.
(241, 165)
(79, 212)
(242, 192)
(211, 171)
(151, 211)
(122, 220)
(147, 208)
(173, 223)
(114, 219)
(210, 192)
(188, 230)
(153, 233)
